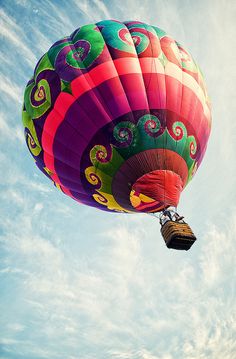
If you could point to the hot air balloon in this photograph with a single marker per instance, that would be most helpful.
(117, 116)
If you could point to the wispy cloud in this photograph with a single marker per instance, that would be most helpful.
(120, 300)
(10, 89)
(10, 133)
(101, 7)
(16, 37)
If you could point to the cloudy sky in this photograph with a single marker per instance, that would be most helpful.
(76, 283)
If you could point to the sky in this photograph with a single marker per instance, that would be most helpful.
(78, 283)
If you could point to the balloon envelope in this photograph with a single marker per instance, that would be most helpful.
(118, 117)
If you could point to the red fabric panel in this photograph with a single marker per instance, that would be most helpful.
(161, 185)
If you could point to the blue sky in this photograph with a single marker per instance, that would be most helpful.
(77, 283)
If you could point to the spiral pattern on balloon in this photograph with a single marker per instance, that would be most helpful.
(93, 177)
(40, 97)
(75, 55)
(70, 60)
(82, 47)
(141, 41)
(151, 125)
(41, 93)
(179, 130)
(100, 198)
(100, 154)
(124, 35)
(108, 201)
(117, 36)
(124, 133)
(192, 146)
(77, 52)
(68, 63)
(144, 37)
(32, 145)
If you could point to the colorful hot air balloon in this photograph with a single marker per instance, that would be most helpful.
(118, 117)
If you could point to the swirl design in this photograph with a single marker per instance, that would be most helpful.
(192, 146)
(124, 35)
(100, 198)
(40, 97)
(124, 132)
(151, 125)
(41, 94)
(179, 130)
(31, 135)
(141, 41)
(100, 154)
(108, 201)
(76, 53)
(83, 48)
(32, 145)
(92, 177)
(117, 37)
(145, 39)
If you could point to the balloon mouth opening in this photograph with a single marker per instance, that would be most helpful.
(155, 191)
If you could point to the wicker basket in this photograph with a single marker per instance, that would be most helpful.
(178, 235)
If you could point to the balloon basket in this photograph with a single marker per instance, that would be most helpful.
(178, 235)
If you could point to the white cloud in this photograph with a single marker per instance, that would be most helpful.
(124, 294)
(16, 327)
(8, 341)
(14, 196)
(14, 34)
(22, 3)
(37, 186)
(57, 19)
(43, 43)
(10, 270)
(100, 6)
(85, 8)
(218, 256)
(10, 89)
(64, 210)
(38, 207)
